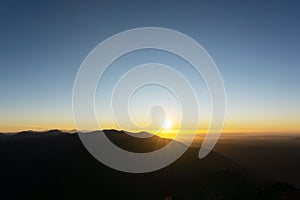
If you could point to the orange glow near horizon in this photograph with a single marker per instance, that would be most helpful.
(246, 126)
(166, 133)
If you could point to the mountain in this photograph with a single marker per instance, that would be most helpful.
(138, 144)
(55, 165)
(279, 190)
(277, 158)
(30, 133)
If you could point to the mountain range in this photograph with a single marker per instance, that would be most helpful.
(55, 165)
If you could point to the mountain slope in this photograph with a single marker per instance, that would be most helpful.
(54, 165)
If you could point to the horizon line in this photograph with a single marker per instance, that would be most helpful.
(164, 131)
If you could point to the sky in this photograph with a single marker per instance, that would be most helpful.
(255, 45)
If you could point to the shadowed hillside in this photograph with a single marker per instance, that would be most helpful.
(55, 165)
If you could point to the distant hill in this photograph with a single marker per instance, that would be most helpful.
(30, 133)
(136, 144)
(55, 165)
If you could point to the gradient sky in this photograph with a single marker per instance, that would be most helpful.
(255, 45)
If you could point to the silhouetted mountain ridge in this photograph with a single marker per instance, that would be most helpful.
(55, 165)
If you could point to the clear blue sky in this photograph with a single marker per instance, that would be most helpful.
(254, 43)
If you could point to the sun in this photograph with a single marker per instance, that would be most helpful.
(167, 124)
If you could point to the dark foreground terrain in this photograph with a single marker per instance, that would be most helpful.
(55, 165)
